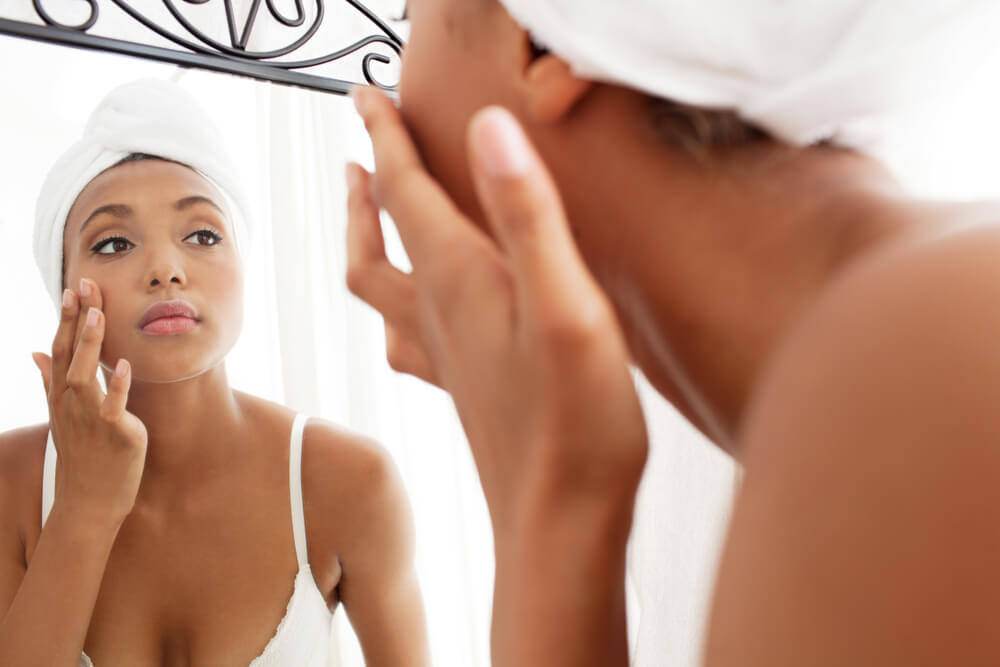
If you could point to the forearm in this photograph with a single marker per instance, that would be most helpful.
(560, 586)
(46, 624)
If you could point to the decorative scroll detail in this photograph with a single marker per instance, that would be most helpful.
(197, 41)
(83, 27)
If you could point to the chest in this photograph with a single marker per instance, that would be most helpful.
(192, 592)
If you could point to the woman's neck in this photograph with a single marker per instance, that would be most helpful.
(709, 259)
(189, 423)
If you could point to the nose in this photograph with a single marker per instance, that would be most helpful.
(165, 272)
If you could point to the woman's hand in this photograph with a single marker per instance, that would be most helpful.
(515, 329)
(101, 446)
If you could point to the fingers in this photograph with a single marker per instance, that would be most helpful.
(364, 233)
(63, 343)
(423, 213)
(113, 406)
(370, 275)
(90, 297)
(44, 364)
(524, 209)
(372, 278)
(82, 373)
(407, 356)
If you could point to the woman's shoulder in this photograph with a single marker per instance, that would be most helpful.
(341, 469)
(22, 453)
(356, 508)
(341, 466)
(326, 446)
(910, 332)
(872, 468)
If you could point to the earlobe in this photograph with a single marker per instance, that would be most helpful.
(552, 88)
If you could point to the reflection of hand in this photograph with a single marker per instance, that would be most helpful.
(101, 446)
(516, 330)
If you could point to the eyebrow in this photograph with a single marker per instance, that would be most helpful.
(117, 210)
(124, 211)
(187, 202)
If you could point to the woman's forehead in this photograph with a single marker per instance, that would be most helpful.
(140, 182)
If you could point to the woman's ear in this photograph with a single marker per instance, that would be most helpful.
(552, 90)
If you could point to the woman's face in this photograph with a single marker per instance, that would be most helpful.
(462, 55)
(151, 232)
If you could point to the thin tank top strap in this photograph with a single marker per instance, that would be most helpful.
(295, 488)
(48, 478)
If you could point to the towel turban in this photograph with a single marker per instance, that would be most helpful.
(804, 70)
(148, 116)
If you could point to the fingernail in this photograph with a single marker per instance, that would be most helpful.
(67, 298)
(121, 370)
(85, 288)
(92, 316)
(501, 145)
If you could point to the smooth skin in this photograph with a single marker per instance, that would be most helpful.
(835, 336)
(170, 538)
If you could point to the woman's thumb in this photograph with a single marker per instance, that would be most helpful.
(524, 209)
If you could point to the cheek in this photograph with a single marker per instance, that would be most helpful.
(229, 296)
(436, 108)
(451, 70)
(120, 328)
(425, 103)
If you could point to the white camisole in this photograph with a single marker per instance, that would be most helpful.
(302, 639)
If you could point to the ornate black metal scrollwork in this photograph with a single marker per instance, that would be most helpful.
(202, 50)
(83, 27)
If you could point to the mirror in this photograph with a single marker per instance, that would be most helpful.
(305, 342)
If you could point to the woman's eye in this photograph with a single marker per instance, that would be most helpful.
(112, 246)
(203, 237)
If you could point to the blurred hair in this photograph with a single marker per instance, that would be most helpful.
(695, 129)
(699, 129)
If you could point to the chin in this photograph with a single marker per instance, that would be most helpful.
(169, 378)
(165, 368)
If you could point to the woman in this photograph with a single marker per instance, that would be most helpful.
(689, 186)
(182, 522)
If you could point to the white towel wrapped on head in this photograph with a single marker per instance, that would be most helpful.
(148, 116)
(804, 70)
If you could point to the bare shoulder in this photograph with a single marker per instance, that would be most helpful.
(916, 326)
(866, 529)
(344, 470)
(357, 513)
(339, 467)
(22, 454)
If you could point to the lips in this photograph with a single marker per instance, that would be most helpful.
(168, 318)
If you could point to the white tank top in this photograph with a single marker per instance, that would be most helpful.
(302, 639)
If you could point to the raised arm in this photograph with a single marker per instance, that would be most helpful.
(48, 602)
(515, 328)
